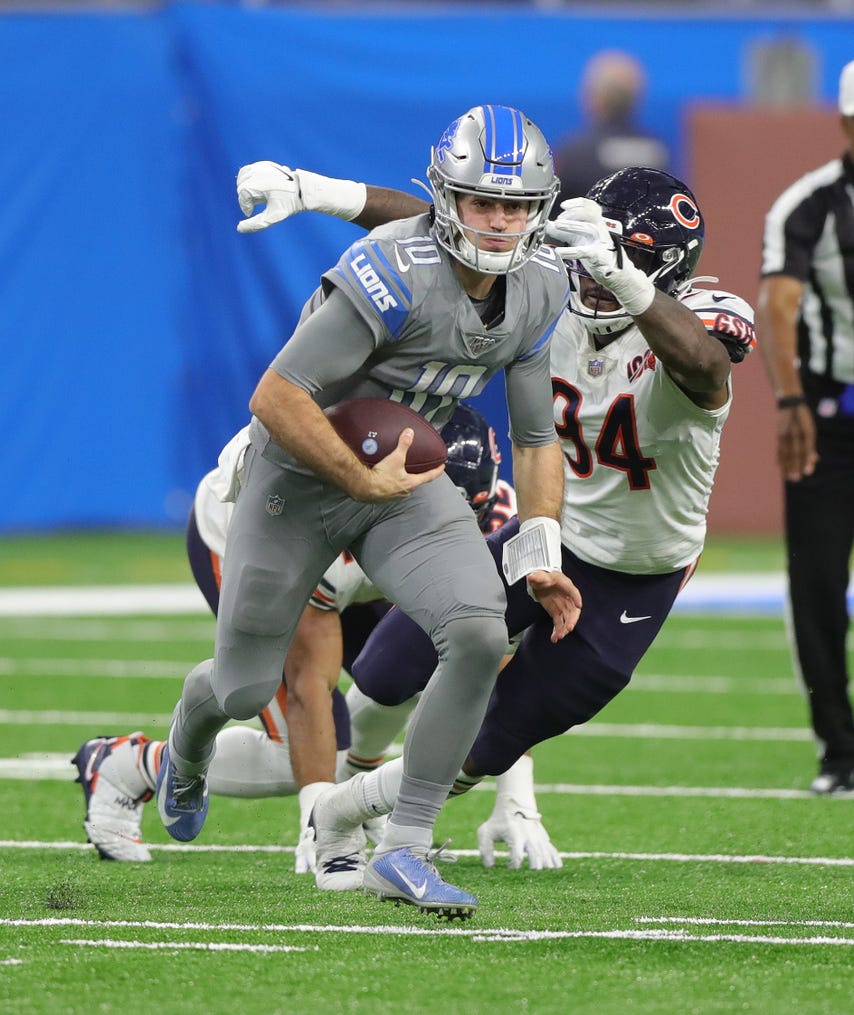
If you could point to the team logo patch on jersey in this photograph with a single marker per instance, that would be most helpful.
(275, 504)
(636, 366)
(477, 344)
(595, 367)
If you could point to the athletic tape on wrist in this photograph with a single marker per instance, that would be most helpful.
(536, 547)
(633, 289)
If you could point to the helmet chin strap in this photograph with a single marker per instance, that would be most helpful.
(490, 262)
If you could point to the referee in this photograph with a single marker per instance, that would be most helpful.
(806, 323)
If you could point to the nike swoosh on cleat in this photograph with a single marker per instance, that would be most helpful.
(626, 619)
(417, 890)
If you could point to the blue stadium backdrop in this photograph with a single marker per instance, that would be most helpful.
(135, 319)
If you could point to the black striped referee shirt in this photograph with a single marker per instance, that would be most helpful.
(809, 235)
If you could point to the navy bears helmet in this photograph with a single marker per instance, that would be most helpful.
(473, 459)
(655, 220)
(656, 223)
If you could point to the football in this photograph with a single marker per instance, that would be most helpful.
(371, 427)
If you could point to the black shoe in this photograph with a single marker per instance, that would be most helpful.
(841, 781)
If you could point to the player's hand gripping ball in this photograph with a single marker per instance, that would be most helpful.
(371, 428)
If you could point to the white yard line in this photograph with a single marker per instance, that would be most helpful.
(503, 935)
(57, 767)
(98, 629)
(194, 946)
(135, 669)
(717, 858)
(723, 592)
(123, 721)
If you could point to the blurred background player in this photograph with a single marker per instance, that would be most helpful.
(613, 86)
(641, 364)
(806, 313)
(119, 774)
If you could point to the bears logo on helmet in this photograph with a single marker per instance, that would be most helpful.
(656, 223)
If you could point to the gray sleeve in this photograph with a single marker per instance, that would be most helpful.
(329, 345)
(529, 401)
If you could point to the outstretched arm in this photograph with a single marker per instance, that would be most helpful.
(285, 192)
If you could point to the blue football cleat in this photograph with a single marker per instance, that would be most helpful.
(182, 801)
(409, 876)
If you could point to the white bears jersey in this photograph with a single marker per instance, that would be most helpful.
(344, 582)
(639, 456)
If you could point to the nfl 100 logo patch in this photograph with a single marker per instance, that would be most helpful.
(477, 344)
(275, 503)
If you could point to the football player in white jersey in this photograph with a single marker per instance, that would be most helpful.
(119, 773)
(640, 364)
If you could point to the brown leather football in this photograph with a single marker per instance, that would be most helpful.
(371, 427)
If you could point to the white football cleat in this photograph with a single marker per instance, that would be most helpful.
(113, 809)
(339, 840)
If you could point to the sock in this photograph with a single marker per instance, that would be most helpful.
(307, 797)
(400, 836)
(149, 762)
(463, 783)
(123, 768)
(380, 789)
(373, 728)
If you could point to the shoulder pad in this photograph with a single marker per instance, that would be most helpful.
(726, 316)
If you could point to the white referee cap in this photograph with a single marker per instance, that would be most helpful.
(846, 90)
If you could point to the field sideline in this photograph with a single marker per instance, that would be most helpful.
(699, 873)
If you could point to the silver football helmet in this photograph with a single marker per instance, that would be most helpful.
(495, 151)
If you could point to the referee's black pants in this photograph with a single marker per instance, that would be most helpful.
(819, 522)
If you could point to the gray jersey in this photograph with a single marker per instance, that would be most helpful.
(393, 321)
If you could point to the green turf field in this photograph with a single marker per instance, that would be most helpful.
(699, 875)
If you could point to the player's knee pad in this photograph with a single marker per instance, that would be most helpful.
(474, 640)
(247, 674)
(242, 702)
(260, 602)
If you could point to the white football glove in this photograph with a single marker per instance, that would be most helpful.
(580, 233)
(516, 822)
(305, 854)
(286, 192)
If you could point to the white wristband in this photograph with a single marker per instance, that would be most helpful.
(536, 547)
(516, 785)
(342, 198)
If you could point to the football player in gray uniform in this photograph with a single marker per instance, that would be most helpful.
(641, 382)
(423, 311)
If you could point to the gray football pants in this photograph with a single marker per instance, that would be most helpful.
(425, 553)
